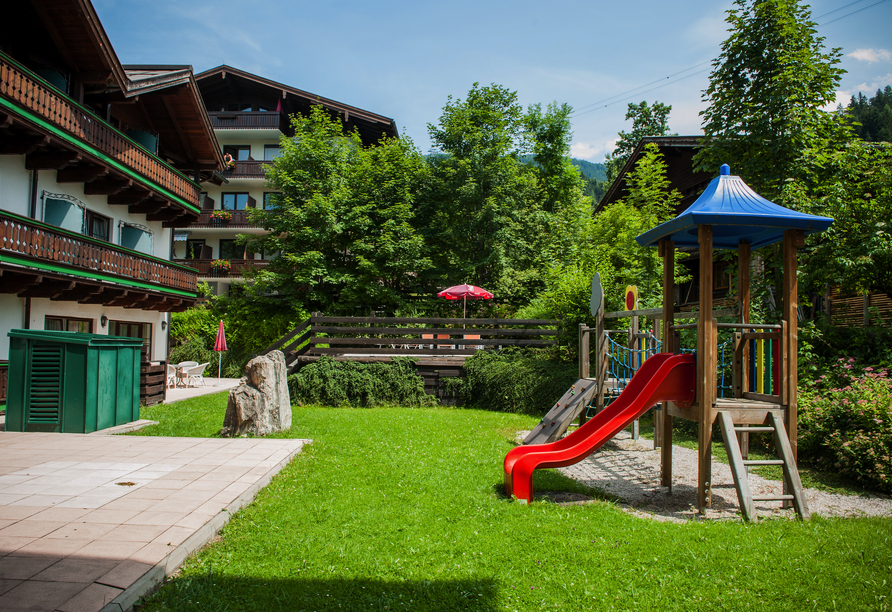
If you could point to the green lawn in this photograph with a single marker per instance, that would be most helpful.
(402, 509)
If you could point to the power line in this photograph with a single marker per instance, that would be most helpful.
(626, 95)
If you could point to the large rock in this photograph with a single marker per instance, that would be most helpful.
(260, 404)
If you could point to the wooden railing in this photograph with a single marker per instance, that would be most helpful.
(4, 370)
(358, 337)
(246, 120)
(32, 93)
(238, 266)
(250, 169)
(239, 218)
(44, 243)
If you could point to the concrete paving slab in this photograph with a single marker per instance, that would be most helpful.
(93, 523)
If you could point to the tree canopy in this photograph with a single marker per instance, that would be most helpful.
(765, 95)
(646, 121)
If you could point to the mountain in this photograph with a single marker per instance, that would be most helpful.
(589, 169)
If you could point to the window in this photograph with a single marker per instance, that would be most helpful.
(238, 152)
(193, 249)
(69, 213)
(62, 211)
(269, 200)
(129, 329)
(271, 152)
(235, 201)
(96, 226)
(136, 237)
(230, 250)
(84, 326)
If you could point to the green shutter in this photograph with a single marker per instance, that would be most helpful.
(45, 389)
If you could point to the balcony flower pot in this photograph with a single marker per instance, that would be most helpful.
(220, 217)
(220, 268)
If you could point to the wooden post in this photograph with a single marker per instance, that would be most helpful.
(744, 255)
(659, 410)
(584, 350)
(706, 348)
(584, 356)
(667, 252)
(793, 240)
(634, 361)
(600, 358)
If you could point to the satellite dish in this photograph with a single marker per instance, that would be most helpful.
(597, 294)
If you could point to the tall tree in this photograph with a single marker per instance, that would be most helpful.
(872, 117)
(342, 222)
(765, 95)
(646, 121)
(488, 217)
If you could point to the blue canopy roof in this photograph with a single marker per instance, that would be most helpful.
(737, 214)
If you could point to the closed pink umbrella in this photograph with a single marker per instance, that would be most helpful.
(463, 292)
(220, 345)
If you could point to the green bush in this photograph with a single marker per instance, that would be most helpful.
(513, 380)
(845, 424)
(349, 383)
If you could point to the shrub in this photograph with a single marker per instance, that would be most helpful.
(845, 424)
(350, 383)
(513, 380)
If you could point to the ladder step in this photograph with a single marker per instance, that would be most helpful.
(763, 462)
(773, 498)
(754, 429)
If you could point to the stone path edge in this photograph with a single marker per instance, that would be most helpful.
(153, 578)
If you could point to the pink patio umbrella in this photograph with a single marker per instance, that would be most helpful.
(220, 345)
(464, 292)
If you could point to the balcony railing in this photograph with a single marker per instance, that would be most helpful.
(238, 266)
(246, 121)
(48, 245)
(247, 170)
(239, 219)
(32, 93)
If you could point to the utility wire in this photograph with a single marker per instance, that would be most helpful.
(627, 95)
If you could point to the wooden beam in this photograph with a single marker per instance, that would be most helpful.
(53, 160)
(184, 220)
(705, 370)
(79, 292)
(129, 199)
(168, 214)
(80, 174)
(792, 240)
(129, 297)
(667, 252)
(152, 205)
(106, 187)
(6, 121)
(13, 282)
(22, 145)
(105, 296)
(48, 288)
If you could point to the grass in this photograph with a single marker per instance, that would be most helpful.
(402, 509)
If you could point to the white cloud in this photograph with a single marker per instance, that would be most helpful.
(871, 55)
(592, 151)
(842, 97)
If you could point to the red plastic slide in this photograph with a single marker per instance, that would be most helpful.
(664, 377)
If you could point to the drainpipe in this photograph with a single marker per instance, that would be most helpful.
(34, 177)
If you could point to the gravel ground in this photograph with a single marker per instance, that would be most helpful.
(630, 471)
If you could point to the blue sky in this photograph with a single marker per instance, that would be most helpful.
(402, 59)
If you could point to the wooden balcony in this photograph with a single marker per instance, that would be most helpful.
(239, 220)
(30, 97)
(247, 121)
(236, 271)
(40, 260)
(251, 169)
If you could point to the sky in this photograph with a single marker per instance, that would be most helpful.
(403, 59)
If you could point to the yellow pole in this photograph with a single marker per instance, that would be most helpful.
(760, 366)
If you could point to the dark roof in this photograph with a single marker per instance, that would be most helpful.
(737, 214)
(225, 85)
(678, 153)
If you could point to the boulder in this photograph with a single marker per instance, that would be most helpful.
(260, 404)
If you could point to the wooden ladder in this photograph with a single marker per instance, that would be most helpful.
(739, 465)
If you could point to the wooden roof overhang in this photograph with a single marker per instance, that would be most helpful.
(170, 102)
(224, 85)
(74, 27)
(678, 153)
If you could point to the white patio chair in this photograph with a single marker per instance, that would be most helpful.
(171, 375)
(195, 375)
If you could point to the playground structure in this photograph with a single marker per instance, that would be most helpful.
(728, 215)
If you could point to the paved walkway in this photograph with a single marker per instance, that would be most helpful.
(212, 385)
(93, 522)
